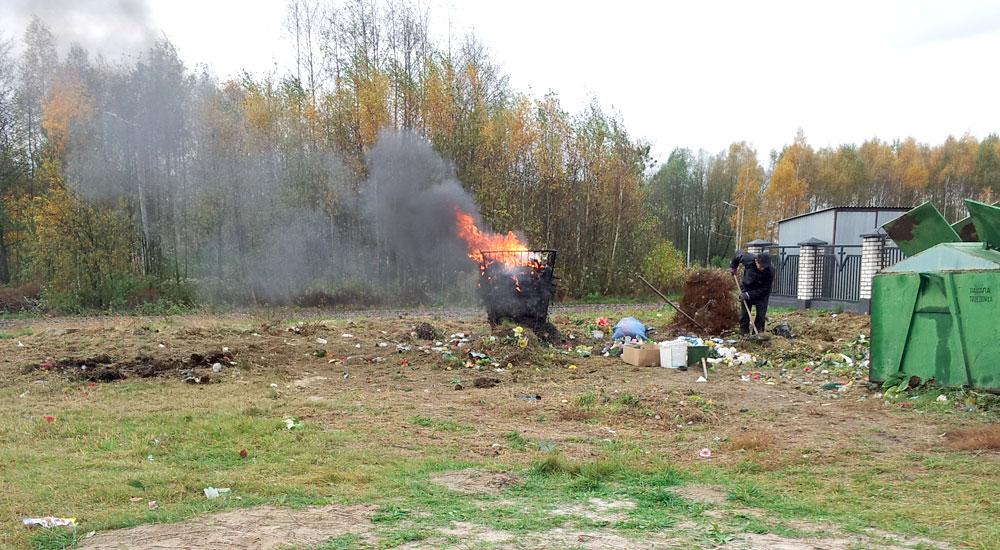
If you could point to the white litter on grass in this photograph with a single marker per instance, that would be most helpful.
(225, 349)
(212, 492)
(162, 346)
(701, 379)
(321, 340)
(217, 367)
(345, 335)
(49, 521)
(274, 385)
(942, 398)
(19, 344)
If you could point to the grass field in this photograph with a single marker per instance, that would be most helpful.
(607, 458)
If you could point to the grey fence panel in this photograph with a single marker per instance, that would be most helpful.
(785, 260)
(840, 277)
(891, 255)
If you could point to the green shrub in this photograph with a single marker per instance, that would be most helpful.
(664, 267)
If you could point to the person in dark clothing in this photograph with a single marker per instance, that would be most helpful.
(756, 287)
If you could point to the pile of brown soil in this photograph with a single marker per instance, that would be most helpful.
(16, 299)
(709, 297)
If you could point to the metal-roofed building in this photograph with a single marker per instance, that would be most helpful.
(837, 225)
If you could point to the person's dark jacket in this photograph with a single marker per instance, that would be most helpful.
(756, 283)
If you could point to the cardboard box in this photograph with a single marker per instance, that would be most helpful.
(643, 355)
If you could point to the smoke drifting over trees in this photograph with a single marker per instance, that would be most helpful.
(137, 178)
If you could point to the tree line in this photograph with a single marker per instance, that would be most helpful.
(730, 197)
(129, 181)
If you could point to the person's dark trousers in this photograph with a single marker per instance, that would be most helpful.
(761, 311)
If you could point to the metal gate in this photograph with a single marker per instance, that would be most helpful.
(840, 276)
(786, 270)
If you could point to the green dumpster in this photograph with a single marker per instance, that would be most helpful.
(936, 314)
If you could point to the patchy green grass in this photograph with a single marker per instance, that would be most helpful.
(15, 334)
(444, 425)
(163, 440)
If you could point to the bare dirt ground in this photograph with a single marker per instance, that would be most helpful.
(773, 408)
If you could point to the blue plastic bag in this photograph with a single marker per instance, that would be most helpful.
(631, 327)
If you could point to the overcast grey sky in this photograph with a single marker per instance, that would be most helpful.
(690, 74)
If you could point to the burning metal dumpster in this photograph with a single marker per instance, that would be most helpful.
(517, 285)
(936, 314)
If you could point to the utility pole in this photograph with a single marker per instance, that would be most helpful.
(689, 247)
(739, 232)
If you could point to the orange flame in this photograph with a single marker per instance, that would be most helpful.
(478, 241)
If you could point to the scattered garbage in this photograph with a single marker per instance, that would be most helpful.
(321, 340)
(942, 398)
(642, 355)
(153, 505)
(705, 453)
(598, 328)
(629, 327)
(243, 453)
(547, 446)
(782, 329)
(49, 521)
(213, 493)
(701, 379)
(425, 331)
(49, 418)
(217, 367)
(291, 423)
(344, 335)
(535, 397)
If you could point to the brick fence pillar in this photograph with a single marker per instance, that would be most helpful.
(872, 253)
(810, 271)
(758, 245)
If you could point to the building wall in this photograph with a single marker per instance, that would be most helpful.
(794, 231)
(850, 225)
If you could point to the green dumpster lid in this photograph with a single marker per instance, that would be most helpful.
(950, 257)
(986, 218)
(966, 229)
(920, 229)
